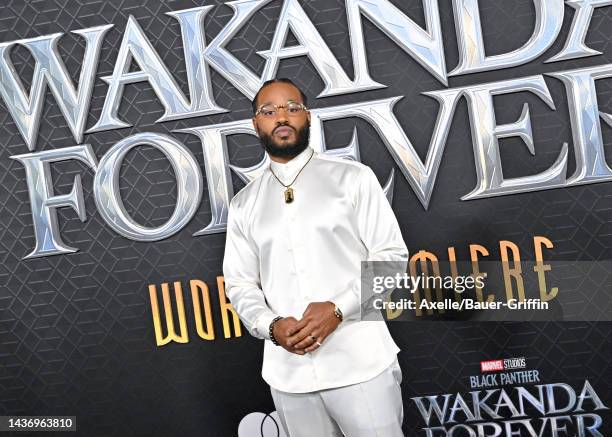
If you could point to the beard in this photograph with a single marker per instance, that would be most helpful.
(287, 150)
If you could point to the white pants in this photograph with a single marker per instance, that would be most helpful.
(372, 408)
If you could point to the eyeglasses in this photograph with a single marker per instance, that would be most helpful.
(293, 109)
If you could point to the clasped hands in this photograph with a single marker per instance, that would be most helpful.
(308, 333)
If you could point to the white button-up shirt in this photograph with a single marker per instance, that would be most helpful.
(281, 256)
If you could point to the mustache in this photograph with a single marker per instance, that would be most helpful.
(283, 125)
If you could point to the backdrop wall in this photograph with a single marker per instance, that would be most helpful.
(78, 329)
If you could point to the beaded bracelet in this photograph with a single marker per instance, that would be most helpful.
(271, 330)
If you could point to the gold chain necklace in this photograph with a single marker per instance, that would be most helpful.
(289, 196)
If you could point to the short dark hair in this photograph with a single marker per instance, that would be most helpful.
(278, 80)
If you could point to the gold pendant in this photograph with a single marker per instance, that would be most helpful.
(289, 195)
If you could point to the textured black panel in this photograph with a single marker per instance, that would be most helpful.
(76, 333)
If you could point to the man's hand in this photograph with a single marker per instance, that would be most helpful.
(318, 321)
(281, 330)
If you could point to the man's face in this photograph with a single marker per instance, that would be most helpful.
(284, 135)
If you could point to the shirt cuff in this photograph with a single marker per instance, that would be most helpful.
(349, 303)
(262, 324)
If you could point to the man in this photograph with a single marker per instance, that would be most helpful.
(296, 237)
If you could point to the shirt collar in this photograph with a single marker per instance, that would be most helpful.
(291, 167)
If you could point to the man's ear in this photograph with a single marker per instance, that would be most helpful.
(308, 115)
(254, 120)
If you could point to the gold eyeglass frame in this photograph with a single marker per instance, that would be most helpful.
(277, 107)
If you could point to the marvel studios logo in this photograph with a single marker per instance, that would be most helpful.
(499, 365)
